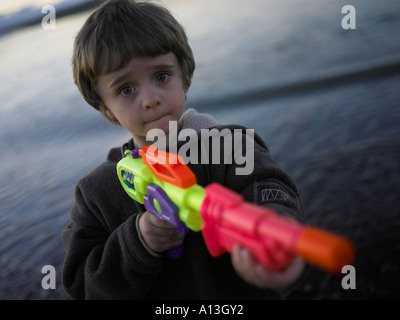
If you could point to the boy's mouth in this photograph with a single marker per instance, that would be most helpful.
(155, 119)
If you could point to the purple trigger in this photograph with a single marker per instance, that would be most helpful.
(169, 213)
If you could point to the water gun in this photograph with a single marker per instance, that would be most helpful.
(170, 190)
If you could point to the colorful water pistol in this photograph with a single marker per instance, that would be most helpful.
(170, 190)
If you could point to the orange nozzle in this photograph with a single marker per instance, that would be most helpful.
(176, 173)
(325, 250)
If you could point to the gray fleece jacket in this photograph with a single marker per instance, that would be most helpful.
(106, 258)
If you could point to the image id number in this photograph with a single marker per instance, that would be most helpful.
(218, 309)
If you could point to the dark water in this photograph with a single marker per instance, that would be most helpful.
(325, 99)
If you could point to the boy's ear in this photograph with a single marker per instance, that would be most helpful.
(110, 115)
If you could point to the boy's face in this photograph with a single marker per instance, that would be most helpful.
(145, 94)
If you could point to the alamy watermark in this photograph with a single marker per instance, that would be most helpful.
(234, 142)
(349, 280)
(49, 20)
(49, 280)
(349, 20)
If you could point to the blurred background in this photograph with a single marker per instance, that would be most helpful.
(325, 100)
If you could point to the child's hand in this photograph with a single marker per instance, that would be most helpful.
(249, 270)
(159, 235)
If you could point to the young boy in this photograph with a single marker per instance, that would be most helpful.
(132, 62)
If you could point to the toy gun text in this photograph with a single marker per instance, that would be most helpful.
(171, 192)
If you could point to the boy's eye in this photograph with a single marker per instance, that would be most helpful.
(161, 77)
(127, 90)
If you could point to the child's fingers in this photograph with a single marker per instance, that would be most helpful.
(157, 222)
(251, 271)
(247, 268)
(158, 234)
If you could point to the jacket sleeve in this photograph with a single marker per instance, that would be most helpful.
(104, 256)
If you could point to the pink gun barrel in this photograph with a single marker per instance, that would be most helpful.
(273, 239)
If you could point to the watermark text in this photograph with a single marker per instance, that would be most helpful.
(49, 20)
(237, 146)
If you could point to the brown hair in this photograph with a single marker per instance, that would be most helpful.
(119, 30)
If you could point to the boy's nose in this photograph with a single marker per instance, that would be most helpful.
(150, 97)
